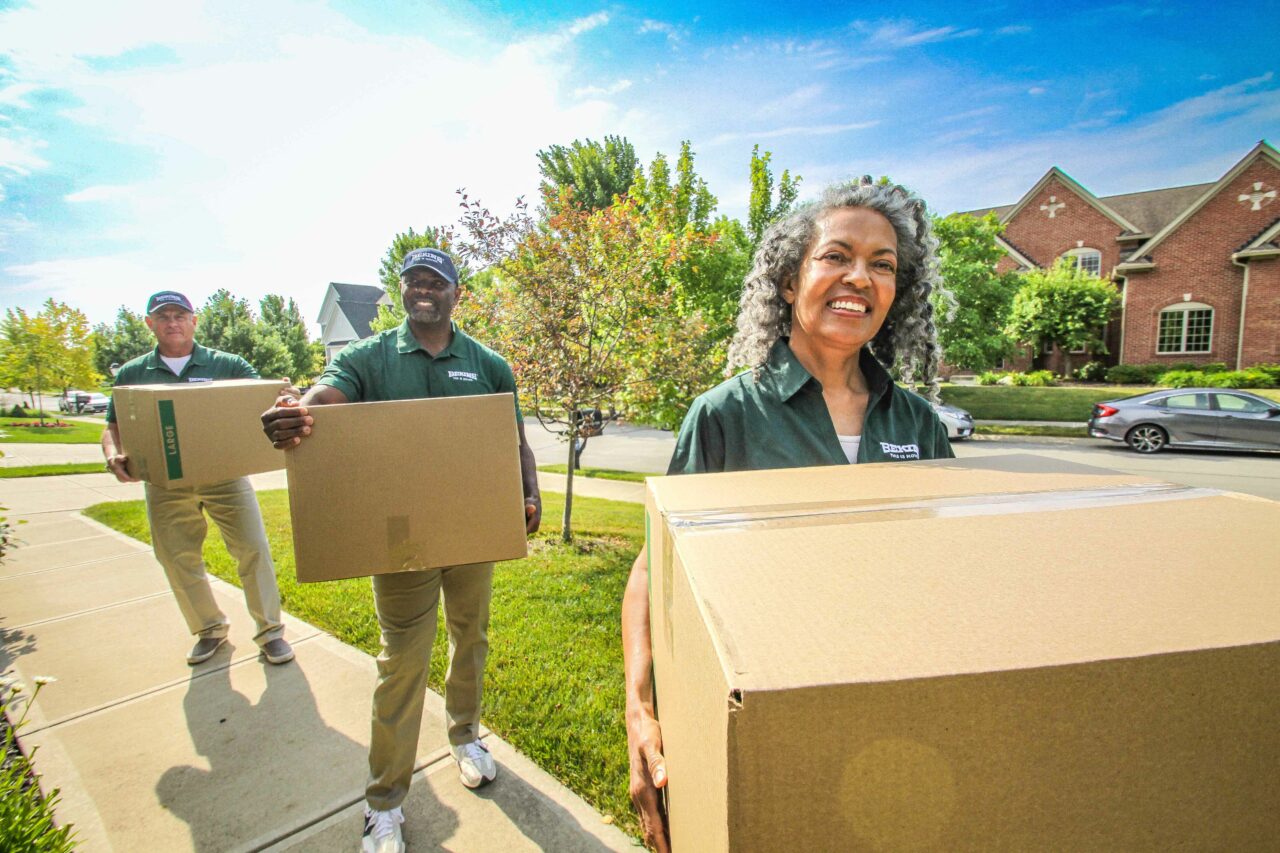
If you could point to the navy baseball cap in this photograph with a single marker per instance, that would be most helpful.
(168, 297)
(432, 259)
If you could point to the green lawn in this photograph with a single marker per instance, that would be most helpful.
(52, 470)
(75, 432)
(1033, 429)
(1003, 403)
(553, 686)
(600, 473)
(1070, 403)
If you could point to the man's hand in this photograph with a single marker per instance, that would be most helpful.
(287, 422)
(532, 513)
(118, 464)
(648, 774)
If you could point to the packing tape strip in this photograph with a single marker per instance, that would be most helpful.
(844, 512)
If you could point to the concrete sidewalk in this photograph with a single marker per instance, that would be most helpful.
(234, 754)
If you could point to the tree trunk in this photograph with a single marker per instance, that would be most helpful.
(39, 395)
(566, 526)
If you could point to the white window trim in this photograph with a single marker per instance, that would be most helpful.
(1185, 308)
(1085, 251)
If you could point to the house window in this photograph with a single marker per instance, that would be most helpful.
(1185, 328)
(1088, 260)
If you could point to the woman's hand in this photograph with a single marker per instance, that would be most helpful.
(648, 774)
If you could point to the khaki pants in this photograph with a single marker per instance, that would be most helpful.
(406, 604)
(178, 528)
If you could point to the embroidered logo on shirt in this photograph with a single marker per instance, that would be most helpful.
(198, 379)
(464, 375)
(900, 451)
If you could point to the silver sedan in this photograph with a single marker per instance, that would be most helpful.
(1218, 418)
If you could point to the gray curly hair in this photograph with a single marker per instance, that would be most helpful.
(908, 339)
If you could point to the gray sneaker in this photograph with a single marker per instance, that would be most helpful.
(277, 651)
(204, 649)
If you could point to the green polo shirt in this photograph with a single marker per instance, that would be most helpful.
(205, 365)
(394, 366)
(778, 419)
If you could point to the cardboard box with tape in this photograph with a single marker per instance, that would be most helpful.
(1010, 653)
(195, 433)
(408, 484)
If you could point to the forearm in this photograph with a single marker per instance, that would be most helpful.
(110, 441)
(637, 651)
(528, 467)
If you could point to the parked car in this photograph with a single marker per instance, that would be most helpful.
(73, 402)
(958, 422)
(97, 403)
(1218, 418)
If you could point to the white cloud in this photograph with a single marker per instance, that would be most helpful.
(1013, 30)
(1036, 90)
(673, 33)
(102, 192)
(602, 91)
(19, 155)
(900, 34)
(286, 145)
(810, 130)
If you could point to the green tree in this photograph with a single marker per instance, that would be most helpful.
(1062, 306)
(594, 171)
(117, 343)
(227, 323)
(972, 329)
(390, 316)
(51, 350)
(574, 307)
(763, 208)
(285, 321)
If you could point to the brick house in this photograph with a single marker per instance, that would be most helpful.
(1198, 266)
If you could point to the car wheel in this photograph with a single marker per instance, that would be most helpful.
(1147, 438)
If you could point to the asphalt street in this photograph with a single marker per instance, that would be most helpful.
(633, 448)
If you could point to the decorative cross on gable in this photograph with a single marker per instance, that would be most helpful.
(1053, 206)
(1258, 197)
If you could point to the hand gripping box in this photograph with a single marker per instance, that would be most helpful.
(195, 433)
(404, 485)
(962, 655)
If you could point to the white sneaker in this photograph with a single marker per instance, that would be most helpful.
(382, 831)
(475, 764)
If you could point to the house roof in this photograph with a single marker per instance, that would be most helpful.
(1151, 210)
(359, 304)
(1262, 149)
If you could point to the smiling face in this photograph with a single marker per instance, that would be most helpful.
(846, 283)
(174, 328)
(428, 297)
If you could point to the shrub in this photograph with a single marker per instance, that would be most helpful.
(1251, 378)
(988, 377)
(1213, 367)
(1181, 379)
(1136, 374)
(17, 412)
(1272, 371)
(1094, 371)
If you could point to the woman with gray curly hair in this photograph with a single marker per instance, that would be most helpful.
(839, 294)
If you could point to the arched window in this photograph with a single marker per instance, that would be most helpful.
(1185, 327)
(1089, 260)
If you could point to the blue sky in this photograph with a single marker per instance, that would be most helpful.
(274, 147)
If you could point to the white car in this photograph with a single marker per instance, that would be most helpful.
(958, 422)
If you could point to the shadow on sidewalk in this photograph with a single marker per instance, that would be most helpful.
(14, 643)
(274, 766)
(542, 820)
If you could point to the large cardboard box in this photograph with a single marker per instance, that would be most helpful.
(404, 485)
(194, 433)
(962, 655)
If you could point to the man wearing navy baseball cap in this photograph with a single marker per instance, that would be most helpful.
(428, 351)
(176, 514)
